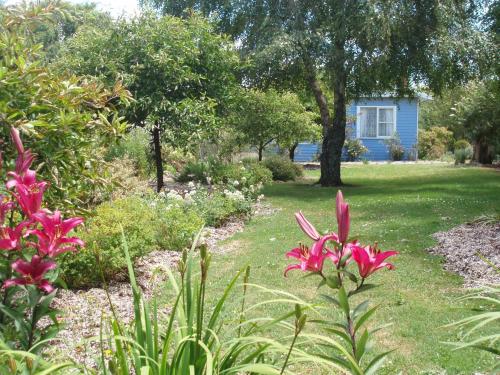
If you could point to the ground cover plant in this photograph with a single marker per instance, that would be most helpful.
(403, 205)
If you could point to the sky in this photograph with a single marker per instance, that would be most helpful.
(115, 7)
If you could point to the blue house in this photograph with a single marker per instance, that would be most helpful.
(374, 121)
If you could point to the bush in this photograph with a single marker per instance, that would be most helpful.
(354, 149)
(283, 169)
(177, 226)
(103, 237)
(175, 158)
(134, 146)
(218, 207)
(461, 144)
(434, 142)
(194, 171)
(395, 148)
(462, 155)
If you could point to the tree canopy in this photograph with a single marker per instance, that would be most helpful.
(358, 47)
(180, 72)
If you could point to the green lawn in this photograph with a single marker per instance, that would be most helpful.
(400, 206)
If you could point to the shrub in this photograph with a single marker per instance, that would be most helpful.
(218, 207)
(395, 148)
(134, 146)
(462, 155)
(177, 226)
(461, 144)
(354, 149)
(175, 158)
(282, 169)
(434, 142)
(103, 237)
(194, 171)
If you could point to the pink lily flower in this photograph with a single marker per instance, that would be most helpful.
(309, 259)
(30, 197)
(52, 240)
(343, 220)
(10, 238)
(5, 206)
(32, 273)
(370, 259)
(307, 227)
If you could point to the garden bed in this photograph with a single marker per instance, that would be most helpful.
(472, 250)
(83, 310)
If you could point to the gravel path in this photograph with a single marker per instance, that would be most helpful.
(463, 248)
(83, 310)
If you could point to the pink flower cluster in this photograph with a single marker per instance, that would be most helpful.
(41, 230)
(368, 259)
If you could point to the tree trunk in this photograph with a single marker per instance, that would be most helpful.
(291, 151)
(157, 155)
(483, 152)
(333, 140)
(261, 149)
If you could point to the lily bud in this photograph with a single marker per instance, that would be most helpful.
(298, 311)
(16, 138)
(301, 322)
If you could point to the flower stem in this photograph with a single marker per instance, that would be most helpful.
(290, 351)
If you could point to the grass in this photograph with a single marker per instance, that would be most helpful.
(400, 206)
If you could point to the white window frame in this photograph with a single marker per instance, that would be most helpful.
(358, 120)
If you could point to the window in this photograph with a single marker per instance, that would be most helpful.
(376, 122)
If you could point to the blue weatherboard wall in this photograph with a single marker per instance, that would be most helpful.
(406, 127)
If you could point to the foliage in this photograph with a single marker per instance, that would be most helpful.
(354, 149)
(395, 148)
(353, 331)
(134, 146)
(64, 118)
(283, 169)
(218, 207)
(176, 226)
(19, 362)
(248, 177)
(462, 154)
(479, 115)
(103, 256)
(30, 242)
(486, 316)
(434, 142)
(461, 144)
(260, 118)
(180, 72)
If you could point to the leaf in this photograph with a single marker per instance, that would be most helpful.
(343, 301)
(376, 363)
(363, 288)
(361, 345)
(363, 318)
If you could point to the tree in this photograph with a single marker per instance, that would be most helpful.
(260, 118)
(179, 71)
(478, 113)
(360, 47)
(297, 124)
(64, 118)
